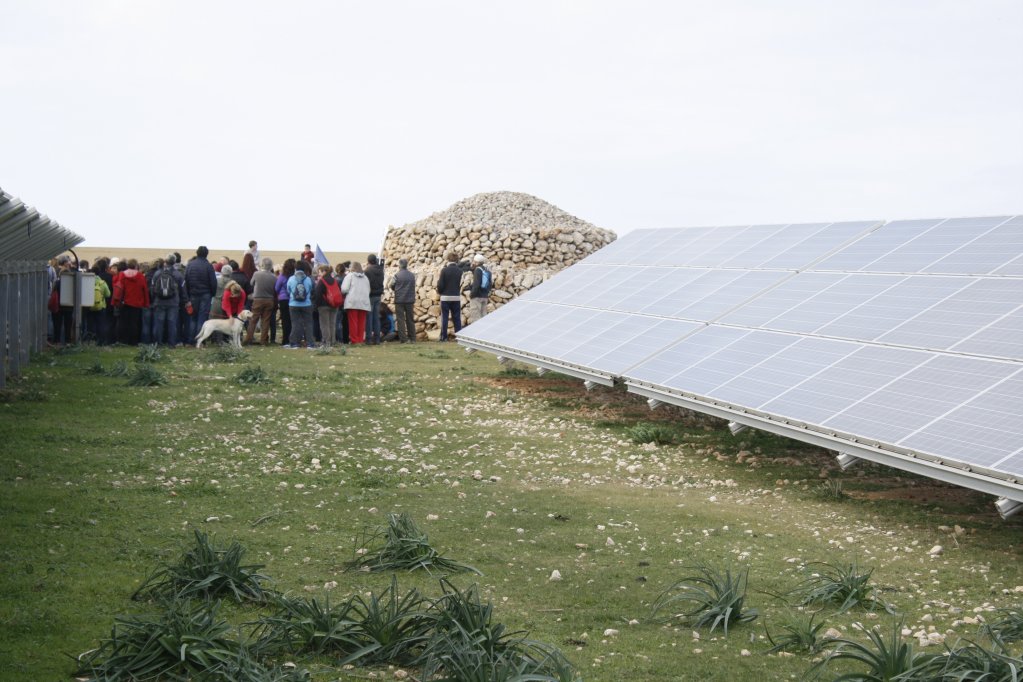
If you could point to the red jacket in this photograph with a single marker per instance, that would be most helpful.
(136, 290)
(232, 306)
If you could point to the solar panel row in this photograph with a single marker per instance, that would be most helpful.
(905, 335)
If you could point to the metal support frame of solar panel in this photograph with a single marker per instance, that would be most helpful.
(943, 271)
(624, 303)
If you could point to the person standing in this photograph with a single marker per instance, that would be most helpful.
(167, 288)
(327, 298)
(283, 299)
(307, 254)
(300, 305)
(404, 285)
(375, 275)
(449, 285)
(200, 282)
(341, 329)
(263, 295)
(355, 289)
(479, 290)
(134, 297)
(254, 250)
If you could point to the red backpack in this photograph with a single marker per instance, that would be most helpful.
(333, 294)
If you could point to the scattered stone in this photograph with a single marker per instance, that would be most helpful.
(555, 575)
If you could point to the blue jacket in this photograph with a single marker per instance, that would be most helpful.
(292, 283)
(200, 278)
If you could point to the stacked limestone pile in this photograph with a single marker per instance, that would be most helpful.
(524, 239)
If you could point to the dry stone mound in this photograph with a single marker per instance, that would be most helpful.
(524, 239)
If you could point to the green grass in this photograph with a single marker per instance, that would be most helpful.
(104, 483)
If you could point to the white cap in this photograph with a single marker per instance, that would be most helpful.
(478, 258)
(115, 260)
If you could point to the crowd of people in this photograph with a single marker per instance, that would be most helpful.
(300, 302)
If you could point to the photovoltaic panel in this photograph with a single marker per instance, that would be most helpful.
(901, 342)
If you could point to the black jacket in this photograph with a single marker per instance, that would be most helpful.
(450, 281)
(476, 289)
(200, 277)
(375, 275)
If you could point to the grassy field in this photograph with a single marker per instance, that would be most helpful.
(515, 475)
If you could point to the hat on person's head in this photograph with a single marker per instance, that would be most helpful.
(115, 260)
(478, 258)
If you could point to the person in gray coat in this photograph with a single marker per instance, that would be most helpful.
(355, 288)
(404, 285)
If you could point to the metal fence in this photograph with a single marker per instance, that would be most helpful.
(28, 240)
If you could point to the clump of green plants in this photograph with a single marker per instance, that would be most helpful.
(435, 354)
(971, 662)
(253, 375)
(146, 375)
(513, 370)
(468, 645)
(798, 633)
(885, 657)
(186, 640)
(70, 349)
(119, 369)
(149, 353)
(323, 349)
(95, 368)
(391, 627)
(830, 490)
(647, 432)
(401, 546)
(227, 354)
(1007, 625)
(842, 585)
(709, 597)
(312, 626)
(207, 571)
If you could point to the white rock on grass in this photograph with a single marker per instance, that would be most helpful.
(555, 575)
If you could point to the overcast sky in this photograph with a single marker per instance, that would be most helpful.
(145, 123)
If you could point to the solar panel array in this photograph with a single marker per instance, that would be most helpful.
(903, 337)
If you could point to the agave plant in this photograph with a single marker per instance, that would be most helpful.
(968, 663)
(708, 598)
(391, 628)
(119, 369)
(887, 658)
(207, 571)
(185, 641)
(149, 353)
(843, 585)
(253, 375)
(309, 626)
(645, 432)
(1007, 626)
(468, 646)
(227, 353)
(401, 546)
(146, 375)
(798, 634)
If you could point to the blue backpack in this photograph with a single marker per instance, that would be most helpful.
(485, 280)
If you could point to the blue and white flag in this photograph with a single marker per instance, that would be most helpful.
(319, 258)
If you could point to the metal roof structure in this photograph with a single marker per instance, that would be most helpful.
(897, 342)
(27, 235)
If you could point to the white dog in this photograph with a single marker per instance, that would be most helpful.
(232, 327)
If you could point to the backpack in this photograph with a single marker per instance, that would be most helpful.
(332, 293)
(485, 280)
(164, 285)
(300, 293)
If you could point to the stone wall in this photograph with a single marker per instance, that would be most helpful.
(524, 239)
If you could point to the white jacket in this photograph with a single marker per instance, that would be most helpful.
(355, 288)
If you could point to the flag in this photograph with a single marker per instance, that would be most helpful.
(319, 258)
